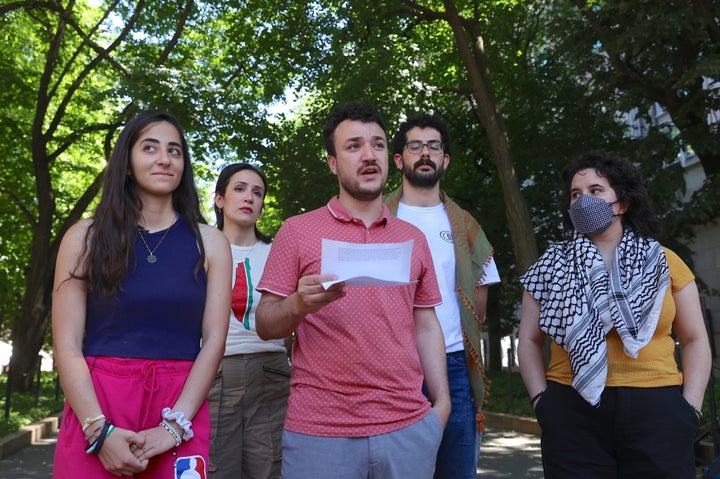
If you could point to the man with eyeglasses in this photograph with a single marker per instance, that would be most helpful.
(464, 265)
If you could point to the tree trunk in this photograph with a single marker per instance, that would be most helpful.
(28, 331)
(490, 116)
(25, 359)
(496, 330)
(494, 350)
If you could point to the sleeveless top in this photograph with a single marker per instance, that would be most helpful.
(157, 314)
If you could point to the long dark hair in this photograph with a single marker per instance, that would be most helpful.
(115, 224)
(221, 188)
(629, 186)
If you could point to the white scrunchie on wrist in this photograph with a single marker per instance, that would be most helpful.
(183, 422)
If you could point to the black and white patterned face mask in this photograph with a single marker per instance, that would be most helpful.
(591, 215)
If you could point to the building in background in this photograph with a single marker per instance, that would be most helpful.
(706, 245)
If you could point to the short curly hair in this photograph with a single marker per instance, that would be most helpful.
(356, 111)
(628, 183)
(422, 120)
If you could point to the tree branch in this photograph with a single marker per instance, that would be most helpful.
(78, 210)
(19, 203)
(184, 14)
(77, 82)
(70, 140)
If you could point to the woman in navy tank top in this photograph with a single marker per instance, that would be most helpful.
(139, 316)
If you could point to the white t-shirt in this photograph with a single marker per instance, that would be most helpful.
(433, 221)
(248, 266)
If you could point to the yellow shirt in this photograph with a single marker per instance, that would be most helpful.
(655, 365)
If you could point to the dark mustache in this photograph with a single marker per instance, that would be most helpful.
(364, 167)
(423, 162)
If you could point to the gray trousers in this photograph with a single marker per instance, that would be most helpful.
(408, 453)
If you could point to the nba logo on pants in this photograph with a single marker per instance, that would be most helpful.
(190, 467)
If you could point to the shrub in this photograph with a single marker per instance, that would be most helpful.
(26, 408)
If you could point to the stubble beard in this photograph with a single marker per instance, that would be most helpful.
(353, 188)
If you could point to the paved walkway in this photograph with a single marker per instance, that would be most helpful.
(507, 454)
(504, 454)
(31, 462)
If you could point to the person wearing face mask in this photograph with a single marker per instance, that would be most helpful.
(613, 402)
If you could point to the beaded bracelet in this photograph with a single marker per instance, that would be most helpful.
(168, 427)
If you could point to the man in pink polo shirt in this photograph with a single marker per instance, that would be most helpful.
(356, 406)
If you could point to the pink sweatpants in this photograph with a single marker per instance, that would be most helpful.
(132, 394)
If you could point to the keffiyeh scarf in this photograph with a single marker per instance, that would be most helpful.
(581, 301)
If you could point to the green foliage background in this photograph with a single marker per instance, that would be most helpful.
(566, 75)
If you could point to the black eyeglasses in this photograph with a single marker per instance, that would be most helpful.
(416, 146)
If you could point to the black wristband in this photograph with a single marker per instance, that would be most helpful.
(536, 397)
(97, 444)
